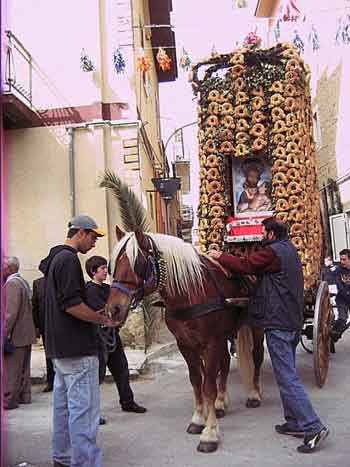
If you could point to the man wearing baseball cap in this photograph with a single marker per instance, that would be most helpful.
(71, 341)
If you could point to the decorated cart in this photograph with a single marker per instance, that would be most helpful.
(257, 158)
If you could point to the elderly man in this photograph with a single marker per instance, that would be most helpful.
(20, 331)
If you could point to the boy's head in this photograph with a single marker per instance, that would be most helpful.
(96, 268)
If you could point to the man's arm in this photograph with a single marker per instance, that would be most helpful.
(13, 300)
(259, 262)
(36, 307)
(85, 313)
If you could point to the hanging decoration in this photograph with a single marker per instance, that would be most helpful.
(314, 39)
(346, 30)
(214, 52)
(240, 3)
(290, 11)
(86, 62)
(163, 59)
(143, 63)
(119, 62)
(298, 42)
(338, 36)
(185, 60)
(277, 30)
(252, 40)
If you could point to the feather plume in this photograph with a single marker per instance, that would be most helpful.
(132, 212)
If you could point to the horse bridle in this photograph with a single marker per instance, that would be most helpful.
(151, 272)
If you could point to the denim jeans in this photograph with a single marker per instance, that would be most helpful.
(76, 412)
(297, 407)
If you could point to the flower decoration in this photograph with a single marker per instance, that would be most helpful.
(298, 42)
(143, 63)
(86, 62)
(119, 61)
(185, 61)
(314, 39)
(290, 11)
(277, 30)
(163, 59)
(252, 40)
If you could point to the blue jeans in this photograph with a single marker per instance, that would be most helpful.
(297, 407)
(76, 412)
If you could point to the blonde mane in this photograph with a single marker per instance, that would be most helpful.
(183, 265)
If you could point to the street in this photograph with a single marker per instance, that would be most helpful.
(159, 437)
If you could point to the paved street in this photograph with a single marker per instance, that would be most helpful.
(158, 438)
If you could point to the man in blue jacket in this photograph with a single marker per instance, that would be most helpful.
(342, 274)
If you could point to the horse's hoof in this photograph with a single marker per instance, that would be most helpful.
(253, 403)
(220, 413)
(194, 429)
(207, 446)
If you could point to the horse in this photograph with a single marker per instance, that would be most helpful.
(194, 290)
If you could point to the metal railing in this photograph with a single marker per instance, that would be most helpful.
(18, 69)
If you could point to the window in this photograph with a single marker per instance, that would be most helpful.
(317, 128)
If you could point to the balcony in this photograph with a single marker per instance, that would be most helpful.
(17, 96)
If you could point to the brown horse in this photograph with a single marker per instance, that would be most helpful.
(194, 291)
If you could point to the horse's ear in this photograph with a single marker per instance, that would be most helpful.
(141, 239)
(119, 233)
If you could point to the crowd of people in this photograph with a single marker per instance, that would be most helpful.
(67, 313)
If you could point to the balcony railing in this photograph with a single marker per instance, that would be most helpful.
(18, 69)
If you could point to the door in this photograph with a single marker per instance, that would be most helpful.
(340, 231)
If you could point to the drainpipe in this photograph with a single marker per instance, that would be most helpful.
(71, 155)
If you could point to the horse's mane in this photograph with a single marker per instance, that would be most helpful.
(183, 264)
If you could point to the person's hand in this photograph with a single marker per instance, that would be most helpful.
(110, 323)
(215, 254)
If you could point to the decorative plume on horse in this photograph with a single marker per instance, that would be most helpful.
(194, 290)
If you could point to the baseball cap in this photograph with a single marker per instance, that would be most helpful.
(87, 223)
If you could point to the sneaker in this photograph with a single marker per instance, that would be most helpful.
(312, 441)
(285, 429)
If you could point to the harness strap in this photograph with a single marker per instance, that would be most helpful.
(197, 311)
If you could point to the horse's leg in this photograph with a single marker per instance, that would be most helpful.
(245, 347)
(209, 438)
(194, 367)
(222, 397)
(258, 357)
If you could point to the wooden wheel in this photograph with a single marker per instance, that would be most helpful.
(321, 333)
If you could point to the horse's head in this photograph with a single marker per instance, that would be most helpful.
(134, 270)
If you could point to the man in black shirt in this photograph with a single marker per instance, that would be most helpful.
(71, 342)
(97, 293)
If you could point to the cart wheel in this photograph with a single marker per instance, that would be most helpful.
(323, 317)
(306, 344)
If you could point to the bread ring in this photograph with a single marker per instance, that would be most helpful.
(277, 114)
(204, 198)
(280, 153)
(258, 117)
(242, 137)
(279, 166)
(282, 205)
(214, 187)
(202, 173)
(227, 147)
(214, 246)
(282, 216)
(292, 65)
(279, 127)
(203, 236)
(257, 103)
(290, 90)
(210, 146)
(294, 202)
(258, 130)
(222, 99)
(296, 215)
(229, 122)
(212, 120)
(279, 139)
(237, 59)
(292, 77)
(227, 109)
(293, 161)
(212, 161)
(216, 211)
(293, 188)
(280, 179)
(213, 108)
(290, 53)
(242, 125)
(298, 242)
(241, 97)
(290, 104)
(259, 144)
(258, 91)
(291, 134)
(213, 96)
(280, 192)
(226, 135)
(204, 224)
(293, 175)
(276, 100)
(241, 150)
(239, 84)
(237, 70)
(297, 230)
(277, 87)
(212, 174)
(241, 111)
(292, 147)
(291, 119)
(217, 223)
(217, 200)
